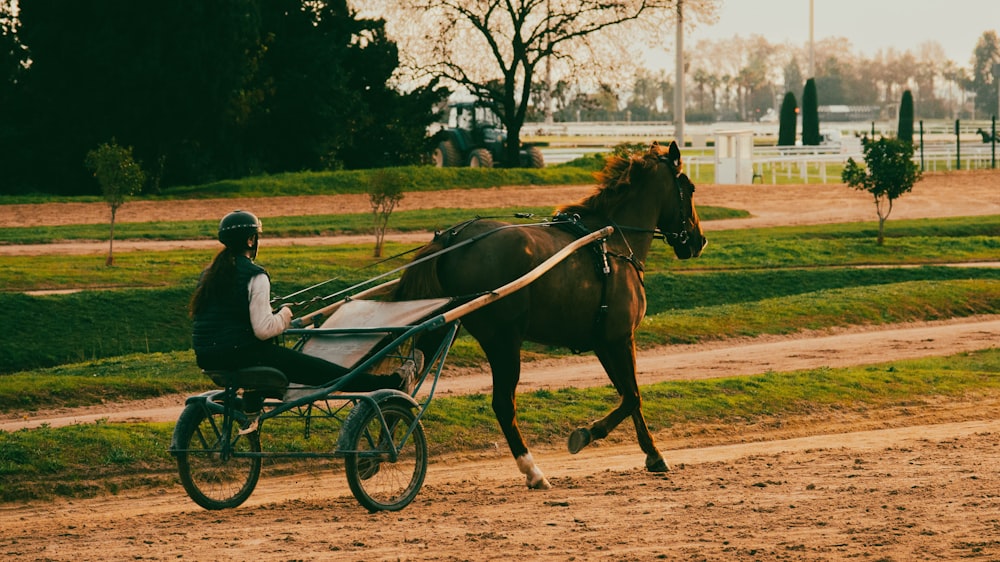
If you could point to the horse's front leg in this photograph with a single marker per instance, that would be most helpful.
(505, 362)
(618, 360)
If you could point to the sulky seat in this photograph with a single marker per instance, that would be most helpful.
(270, 382)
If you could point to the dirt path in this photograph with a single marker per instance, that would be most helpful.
(895, 486)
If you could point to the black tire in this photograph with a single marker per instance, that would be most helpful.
(481, 158)
(533, 158)
(212, 480)
(446, 155)
(377, 483)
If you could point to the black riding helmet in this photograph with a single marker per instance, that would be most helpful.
(236, 227)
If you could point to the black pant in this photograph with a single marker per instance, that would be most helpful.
(297, 367)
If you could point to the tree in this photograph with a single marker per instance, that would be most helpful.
(905, 130)
(119, 176)
(793, 75)
(328, 100)
(11, 54)
(984, 82)
(384, 193)
(890, 173)
(788, 122)
(203, 90)
(810, 114)
(494, 48)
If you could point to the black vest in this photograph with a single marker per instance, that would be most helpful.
(224, 323)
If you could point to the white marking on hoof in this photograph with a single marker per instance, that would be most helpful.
(536, 480)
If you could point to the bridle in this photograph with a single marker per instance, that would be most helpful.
(681, 237)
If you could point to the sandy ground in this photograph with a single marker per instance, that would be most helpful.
(913, 484)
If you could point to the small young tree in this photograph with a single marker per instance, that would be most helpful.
(810, 114)
(905, 130)
(119, 176)
(384, 192)
(788, 120)
(890, 173)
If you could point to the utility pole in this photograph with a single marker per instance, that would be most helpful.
(812, 46)
(548, 63)
(679, 81)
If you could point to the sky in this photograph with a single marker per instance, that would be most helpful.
(870, 25)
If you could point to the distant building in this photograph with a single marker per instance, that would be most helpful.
(848, 112)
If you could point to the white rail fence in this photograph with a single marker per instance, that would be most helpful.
(806, 164)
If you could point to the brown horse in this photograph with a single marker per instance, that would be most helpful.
(592, 300)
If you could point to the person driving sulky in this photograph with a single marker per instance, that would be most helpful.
(234, 325)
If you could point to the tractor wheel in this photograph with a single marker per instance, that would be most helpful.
(481, 158)
(532, 158)
(446, 155)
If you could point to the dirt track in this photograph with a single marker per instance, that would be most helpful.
(917, 483)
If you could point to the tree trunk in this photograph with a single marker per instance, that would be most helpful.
(111, 240)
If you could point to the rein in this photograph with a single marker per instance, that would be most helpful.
(452, 231)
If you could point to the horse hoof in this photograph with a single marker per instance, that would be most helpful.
(540, 484)
(578, 440)
(659, 466)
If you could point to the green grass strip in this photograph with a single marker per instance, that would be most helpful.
(295, 226)
(870, 305)
(95, 324)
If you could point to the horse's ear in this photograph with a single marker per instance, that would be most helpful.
(674, 154)
(654, 148)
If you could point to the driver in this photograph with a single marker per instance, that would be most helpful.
(234, 325)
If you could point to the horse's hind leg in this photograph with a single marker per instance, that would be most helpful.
(654, 460)
(504, 354)
(619, 361)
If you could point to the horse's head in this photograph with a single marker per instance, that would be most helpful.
(678, 220)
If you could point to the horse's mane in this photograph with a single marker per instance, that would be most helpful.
(613, 182)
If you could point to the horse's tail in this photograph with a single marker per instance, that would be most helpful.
(420, 280)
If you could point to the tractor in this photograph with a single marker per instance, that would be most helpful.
(475, 137)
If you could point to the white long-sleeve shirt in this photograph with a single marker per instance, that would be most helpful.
(265, 324)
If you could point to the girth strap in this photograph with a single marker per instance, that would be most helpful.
(573, 225)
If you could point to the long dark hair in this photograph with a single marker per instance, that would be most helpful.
(214, 281)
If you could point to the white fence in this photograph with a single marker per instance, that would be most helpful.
(805, 164)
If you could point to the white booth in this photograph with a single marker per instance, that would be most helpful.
(734, 157)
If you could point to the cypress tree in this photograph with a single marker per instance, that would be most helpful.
(905, 131)
(810, 114)
(788, 120)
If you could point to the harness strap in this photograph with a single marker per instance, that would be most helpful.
(573, 225)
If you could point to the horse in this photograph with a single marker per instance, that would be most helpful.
(988, 137)
(591, 301)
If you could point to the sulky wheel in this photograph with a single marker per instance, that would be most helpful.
(378, 483)
(215, 475)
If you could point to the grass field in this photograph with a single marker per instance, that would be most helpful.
(147, 310)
